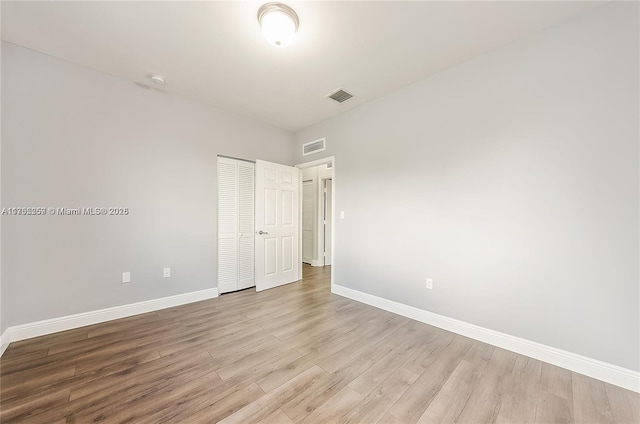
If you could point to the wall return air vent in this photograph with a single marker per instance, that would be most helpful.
(340, 96)
(313, 147)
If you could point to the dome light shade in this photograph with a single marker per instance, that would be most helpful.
(279, 23)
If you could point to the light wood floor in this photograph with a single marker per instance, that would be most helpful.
(291, 354)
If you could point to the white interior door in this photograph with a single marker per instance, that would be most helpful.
(308, 194)
(328, 223)
(276, 225)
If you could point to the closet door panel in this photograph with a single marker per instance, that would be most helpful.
(227, 225)
(245, 263)
(227, 265)
(246, 224)
(227, 198)
(235, 225)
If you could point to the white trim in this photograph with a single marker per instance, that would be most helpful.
(321, 161)
(4, 341)
(54, 325)
(600, 370)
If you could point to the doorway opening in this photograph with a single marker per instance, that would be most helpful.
(317, 194)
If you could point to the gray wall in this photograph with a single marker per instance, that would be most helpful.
(3, 299)
(73, 137)
(511, 180)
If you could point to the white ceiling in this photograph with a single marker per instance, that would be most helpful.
(214, 51)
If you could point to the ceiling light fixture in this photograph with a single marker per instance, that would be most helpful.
(158, 79)
(279, 23)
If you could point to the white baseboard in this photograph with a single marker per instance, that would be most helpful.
(54, 325)
(609, 373)
(4, 341)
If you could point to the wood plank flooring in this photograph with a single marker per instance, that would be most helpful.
(294, 354)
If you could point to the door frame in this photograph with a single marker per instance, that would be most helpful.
(323, 161)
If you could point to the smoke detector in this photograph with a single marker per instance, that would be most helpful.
(157, 79)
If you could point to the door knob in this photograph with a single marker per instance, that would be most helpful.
(262, 232)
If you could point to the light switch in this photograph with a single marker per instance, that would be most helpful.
(126, 277)
(341, 214)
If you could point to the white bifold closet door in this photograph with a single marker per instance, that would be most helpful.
(235, 224)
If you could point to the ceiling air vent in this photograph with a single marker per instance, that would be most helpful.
(340, 96)
(313, 147)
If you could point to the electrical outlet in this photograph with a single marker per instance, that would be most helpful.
(126, 277)
(166, 272)
(341, 214)
(429, 283)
